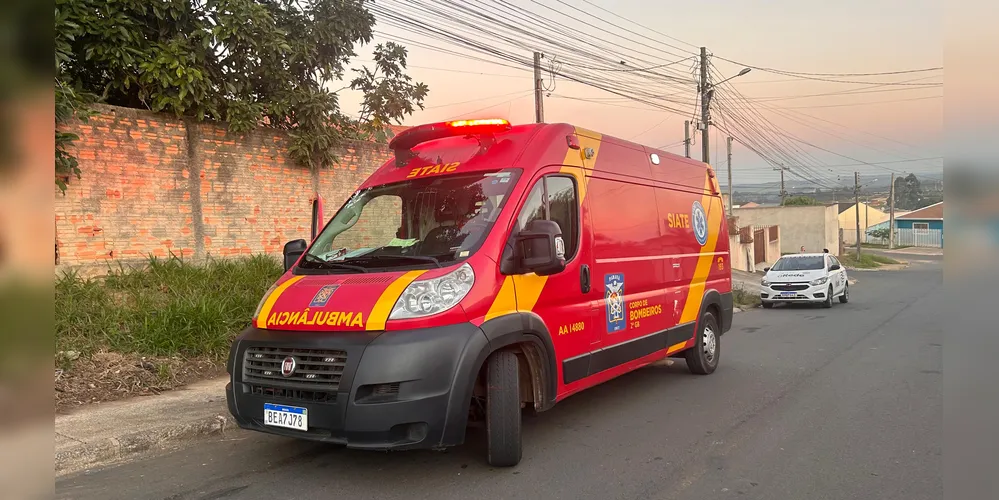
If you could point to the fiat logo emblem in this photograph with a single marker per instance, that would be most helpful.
(288, 366)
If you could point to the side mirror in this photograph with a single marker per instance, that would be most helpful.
(766, 269)
(293, 250)
(835, 267)
(541, 248)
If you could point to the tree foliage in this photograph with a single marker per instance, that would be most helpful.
(800, 201)
(245, 62)
(881, 233)
(908, 193)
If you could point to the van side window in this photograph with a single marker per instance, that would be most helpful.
(554, 198)
(564, 210)
(534, 207)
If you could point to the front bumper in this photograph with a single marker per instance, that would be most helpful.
(397, 390)
(794, 292)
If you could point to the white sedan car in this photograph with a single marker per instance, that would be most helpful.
(807, 277)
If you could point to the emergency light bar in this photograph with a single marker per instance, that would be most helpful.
(402, 145)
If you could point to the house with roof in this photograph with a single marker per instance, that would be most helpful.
(870, 217)
(926, 225)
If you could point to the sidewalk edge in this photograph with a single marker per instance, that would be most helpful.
(88, 455)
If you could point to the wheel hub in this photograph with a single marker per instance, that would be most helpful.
(710, 343)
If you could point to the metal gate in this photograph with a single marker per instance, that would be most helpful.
(760, 245)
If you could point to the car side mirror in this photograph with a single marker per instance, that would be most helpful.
(835, 267)
(766, 269)
(541, 249)
(293, 250)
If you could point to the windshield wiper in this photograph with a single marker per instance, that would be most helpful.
(333, 265)
(419, 258)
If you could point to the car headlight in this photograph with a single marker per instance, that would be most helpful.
(765, 282)
(427, 297)
(263, 299)
(819, 281)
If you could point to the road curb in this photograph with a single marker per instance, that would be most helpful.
(107, 451)
(99, 435)
(886, 267)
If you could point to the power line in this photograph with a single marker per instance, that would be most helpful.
(473, 100)
(881, 73)
(846, 105)
(821, 77)
(639, 25)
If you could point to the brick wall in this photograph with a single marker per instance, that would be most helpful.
(151, 185)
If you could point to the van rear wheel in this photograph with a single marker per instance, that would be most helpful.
(503, 415)
(702, 359)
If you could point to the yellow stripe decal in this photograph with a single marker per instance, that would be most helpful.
(521, 292)
(265, 311)
(695, 292)
(675, 347)
(505, 301)
(380, 313)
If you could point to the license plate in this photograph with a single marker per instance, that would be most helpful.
(788, 294)
(289, 417)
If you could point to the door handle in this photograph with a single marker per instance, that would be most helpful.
(584, 278)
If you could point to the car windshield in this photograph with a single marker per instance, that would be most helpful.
(799, 263)
(426, 222)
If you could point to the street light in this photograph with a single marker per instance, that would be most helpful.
(743, 72)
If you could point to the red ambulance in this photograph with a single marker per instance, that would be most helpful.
(486, 269)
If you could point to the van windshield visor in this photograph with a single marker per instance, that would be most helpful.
(807, 263)
(428, 222)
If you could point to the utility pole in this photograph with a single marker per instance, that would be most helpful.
(891, 213)
(705, 107)
(539, 104)
(783, 192)
(856, 208)
(730, 201)
(686, 138)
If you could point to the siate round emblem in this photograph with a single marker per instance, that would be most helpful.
(699, 221)
(288, 366)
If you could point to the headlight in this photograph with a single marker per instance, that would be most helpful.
(820, 281)
(426, 297)
(263, 299)
(765, 282)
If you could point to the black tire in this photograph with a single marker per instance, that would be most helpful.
(843, 299)
(768, 305)
(503, 416)
(829, 298)
(702, 359)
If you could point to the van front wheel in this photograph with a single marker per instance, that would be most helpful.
(503, 416)
(702, 359)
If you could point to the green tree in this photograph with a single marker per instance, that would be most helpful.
(908, 193)
(800, 201)
(245, 62)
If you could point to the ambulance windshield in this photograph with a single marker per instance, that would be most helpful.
(426, 222)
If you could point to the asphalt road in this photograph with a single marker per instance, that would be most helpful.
(808, 403)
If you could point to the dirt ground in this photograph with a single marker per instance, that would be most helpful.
(109, 376)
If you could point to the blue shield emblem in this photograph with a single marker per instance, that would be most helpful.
(323, 296)
(614, 298)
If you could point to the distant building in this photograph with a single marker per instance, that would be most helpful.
(923, 222)
(869, 216)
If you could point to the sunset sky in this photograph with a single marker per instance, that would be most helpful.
(880, 124)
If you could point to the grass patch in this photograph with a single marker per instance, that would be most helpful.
(744, 299)
(866, 260)
(168, 308)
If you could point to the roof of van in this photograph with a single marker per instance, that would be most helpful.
(527, 146)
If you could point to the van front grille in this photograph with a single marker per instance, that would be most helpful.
(315, 370)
